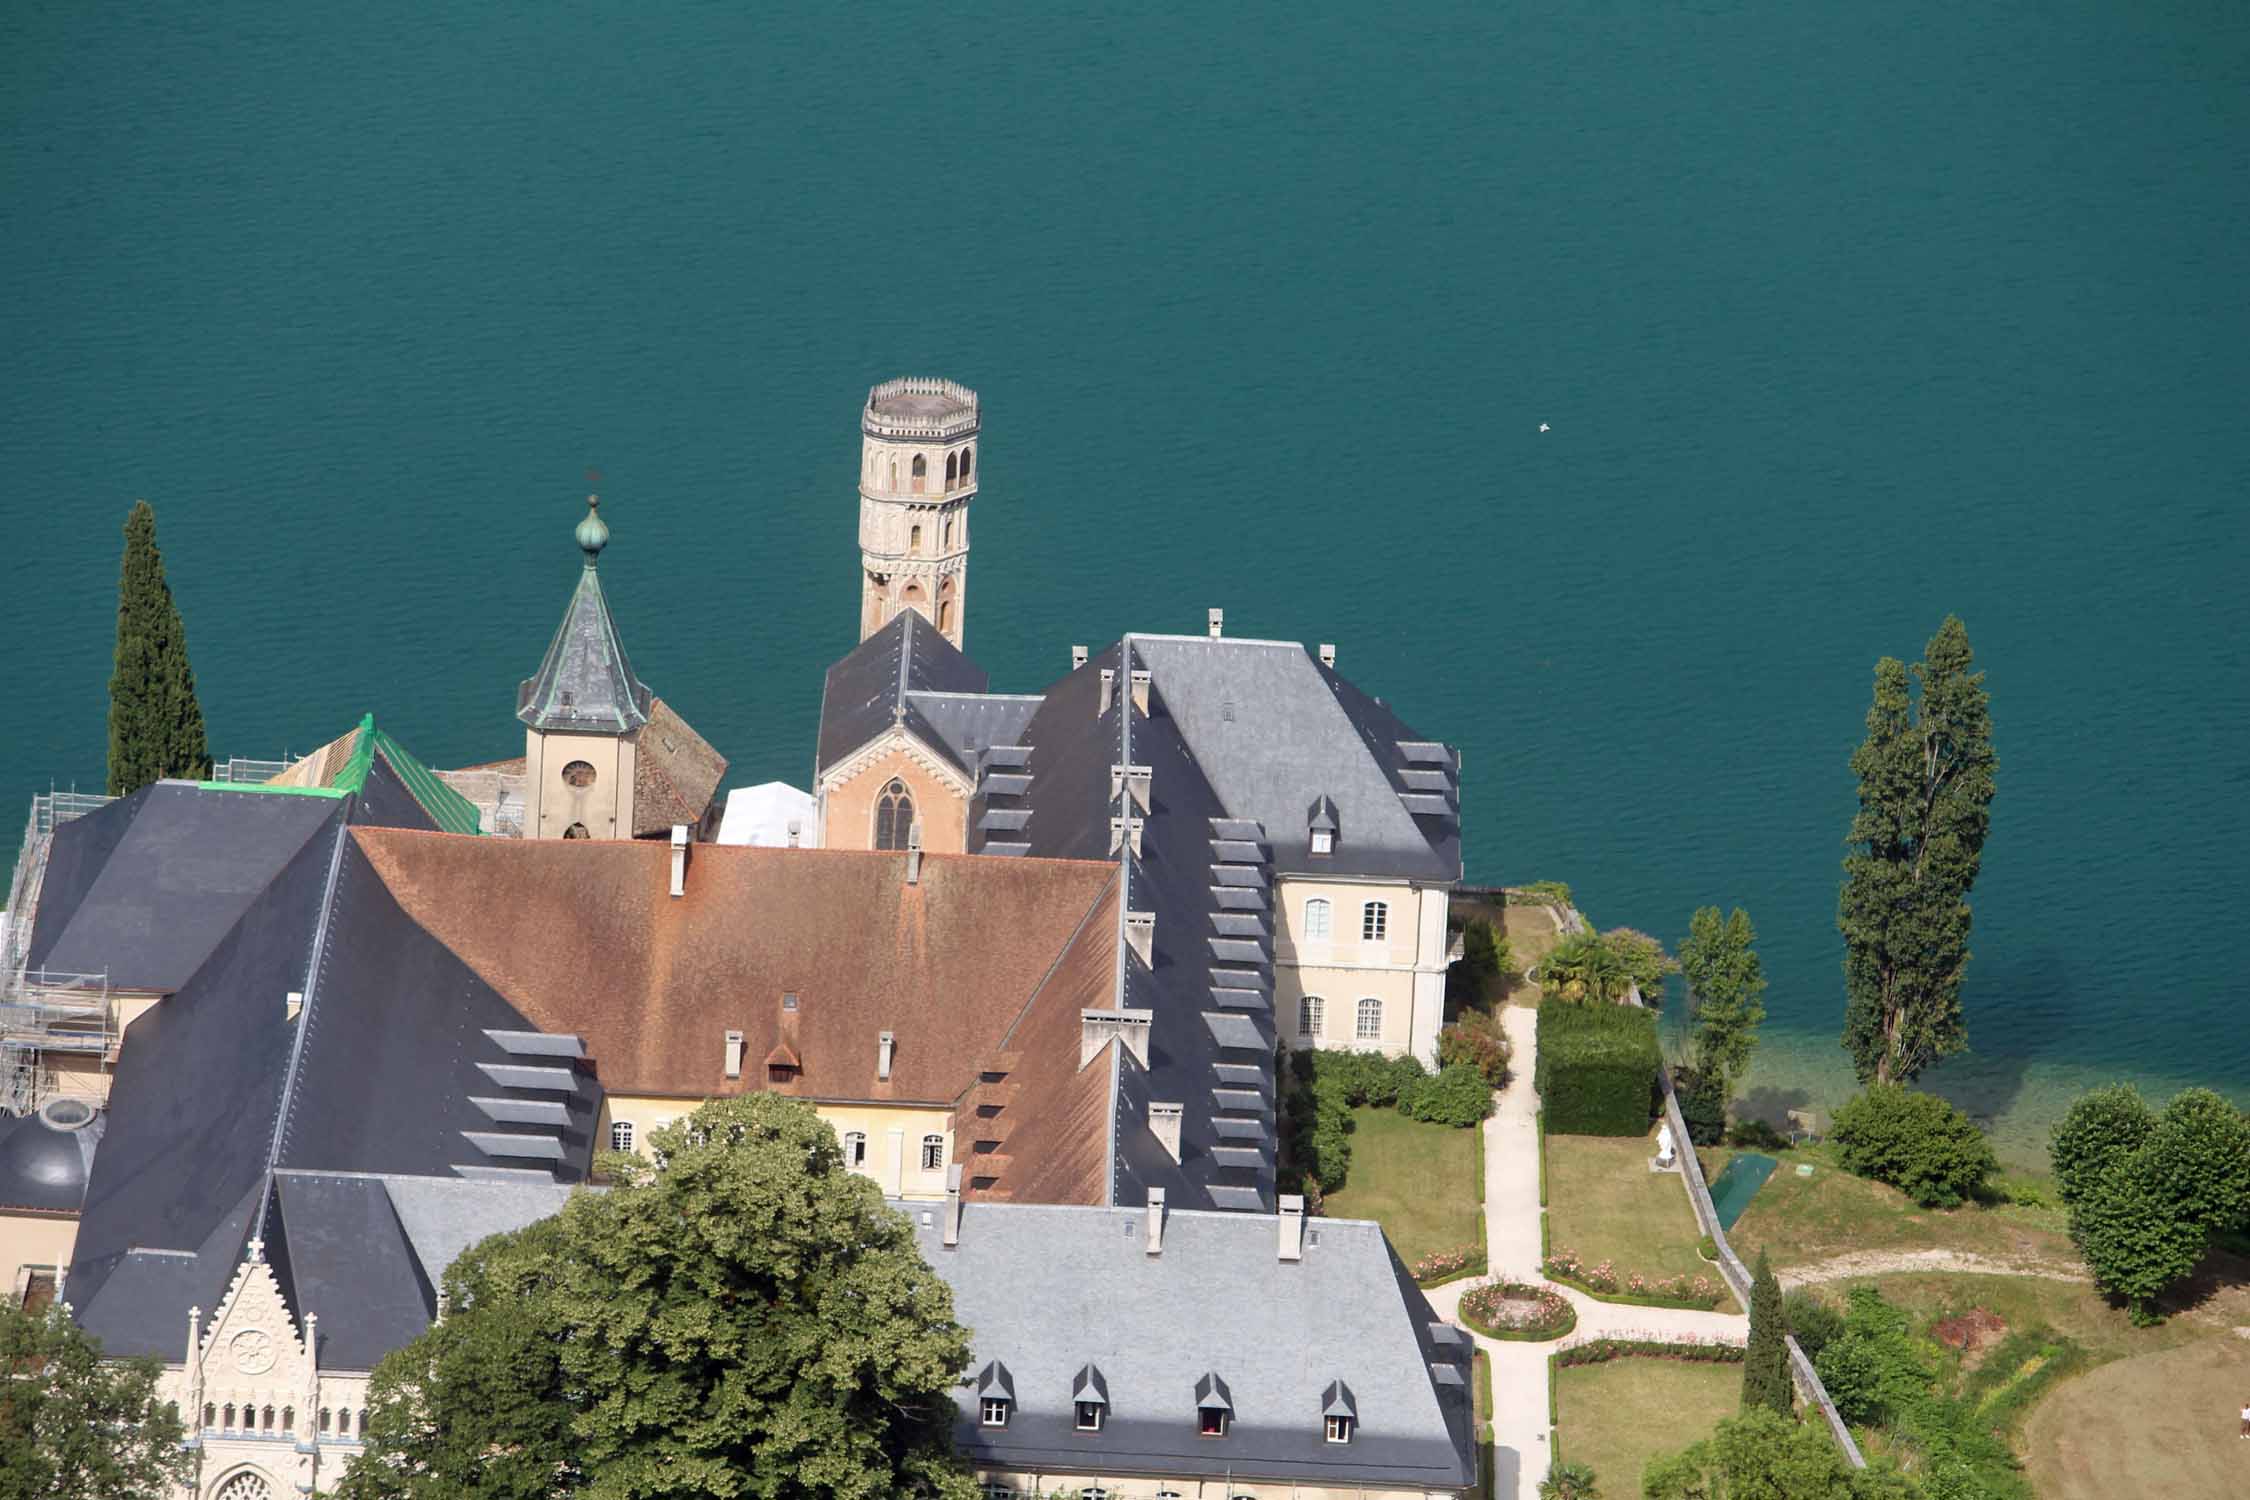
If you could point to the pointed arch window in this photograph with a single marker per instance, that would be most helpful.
(921, 472)
(968, 458)
(952, 464)
(894, 816)
(914, 540)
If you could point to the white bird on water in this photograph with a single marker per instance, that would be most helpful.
(1542, 427)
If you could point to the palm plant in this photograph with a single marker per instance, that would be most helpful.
(1584, 966)
(1569, 1482)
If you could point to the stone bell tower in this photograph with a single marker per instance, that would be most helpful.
(582, 714)
(917, 474)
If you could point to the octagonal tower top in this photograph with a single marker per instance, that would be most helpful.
(920, 408)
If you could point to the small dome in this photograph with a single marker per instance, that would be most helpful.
(45, 1158)
(592, 534)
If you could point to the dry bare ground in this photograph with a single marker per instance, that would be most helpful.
(2158, 1424)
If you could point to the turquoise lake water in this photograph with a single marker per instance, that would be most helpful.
(1840, 319)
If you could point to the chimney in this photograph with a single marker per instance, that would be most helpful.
(1077, 657)
(679, 859)
(1109, 689)
(953, 1205)
(914, 853)
(1218, 626)
(1141, 676)
(1140, 931)
(1156, 1221)
(796, 832)
(1164, 1121)
(1292, 1227)
(294, 1006)
(734, 1054)
(883, 1043)
(1328, 653)
(1130, 780)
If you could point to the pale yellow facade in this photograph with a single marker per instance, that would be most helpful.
(1218, 1486)
(577, 785)
(894, 1142)
(1383, 993)
(35, 1244)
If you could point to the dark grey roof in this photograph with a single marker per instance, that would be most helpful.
(229, 1122)
(1274, 730)
(872, 688)
(145, 888)
(1211, 1035)
(962, 726)
(585, 683)
(1047, 1290)
(44, 1164)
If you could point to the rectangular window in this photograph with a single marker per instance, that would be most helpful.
(1316, 918)
(1339, 1429)
(995, 1412)
(1374, 921)
(1368, 1026)
(1089, 1416)
(1214, 1421)
(1308, 1015)
(621, 1135)
(1323, 842)
(855, 1149)
(933, 1152)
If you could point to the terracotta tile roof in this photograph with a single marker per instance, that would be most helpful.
(582, 937)
(676, 773)
(1038, 1130)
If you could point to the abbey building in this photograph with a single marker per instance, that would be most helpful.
(1032, 955)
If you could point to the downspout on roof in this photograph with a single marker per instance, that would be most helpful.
(1118, 997)
(304, 1019)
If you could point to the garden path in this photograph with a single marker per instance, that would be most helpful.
(1520, 1397)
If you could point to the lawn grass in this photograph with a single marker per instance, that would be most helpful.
(1605, 1204)
(1802, 1220)
(1617, 1415)
(1531, 934)
(1420, 1182)
(2159, 1424)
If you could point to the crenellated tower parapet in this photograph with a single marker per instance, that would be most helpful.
(919, 461)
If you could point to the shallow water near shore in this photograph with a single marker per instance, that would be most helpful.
(1837, 322)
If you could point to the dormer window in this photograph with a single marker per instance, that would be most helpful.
(1323, 842)
(1089, 1399)
(1213, 1421)
(1321, 826)
(993, 1411)
(1339, 1429)
(1214, 1406)
(1089, 1416)
(1339, 1414)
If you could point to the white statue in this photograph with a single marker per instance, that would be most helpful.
(1664, 1150)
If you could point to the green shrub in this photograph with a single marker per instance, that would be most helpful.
(1815, 1324)
(1596, 1073)
(1357, 1078)
(1707, 1247)
(1476, 1041)
(1540, 893)
(1703, 1104)
(1456, 1095)
(1485, 955)
(1917, 1142)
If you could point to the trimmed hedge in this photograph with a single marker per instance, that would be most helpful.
(1597, 1068)
(1601, 1351)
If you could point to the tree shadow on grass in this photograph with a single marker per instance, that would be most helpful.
(1771, 1105)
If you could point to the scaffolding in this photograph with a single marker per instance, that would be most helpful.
(239, 770)
(42, 1012)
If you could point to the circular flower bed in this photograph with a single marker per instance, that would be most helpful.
(1517, 1310)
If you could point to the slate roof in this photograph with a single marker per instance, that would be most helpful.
(144, 888)
(44, 1166)
(875, 686)
(1046, 1290)
(585, 683)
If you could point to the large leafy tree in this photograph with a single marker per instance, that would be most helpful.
(155, 723)
(1726, 989)
(1765, 1363)
(1925, 796)
(2146, 1194)
(2100, 1129)
(73, 1423)
(746, 1319)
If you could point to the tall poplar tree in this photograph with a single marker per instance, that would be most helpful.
(1925, 796)
(1726, 986)
(155, 724)
(1765, 1363)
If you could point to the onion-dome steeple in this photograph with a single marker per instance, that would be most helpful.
(586, 684)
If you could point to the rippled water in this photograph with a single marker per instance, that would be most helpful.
(1839, 321)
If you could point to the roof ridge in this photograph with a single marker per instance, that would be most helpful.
(313, 963)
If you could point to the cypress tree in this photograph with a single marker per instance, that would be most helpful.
(1925, 797)
(155, 724)
(1765, 1364)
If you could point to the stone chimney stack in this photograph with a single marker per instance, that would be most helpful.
(1328, 653)
(1218, 623)
(1109, 689)
(1164, 1124)
(1077, 657)
(1292, 1227)
(914, 853)
(952, 1234)
(679, 859)
(1156, 1221)
(883, 1045)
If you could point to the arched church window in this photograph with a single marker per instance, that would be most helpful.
(247, 1485)
(578, 773)
(914, 541)
(894, 816)
(921, 471)
(894, 473)
(945, 614)
(326, 1416)
(576, 831)
(229, 1422)
(210, 1414)
(265, 1421)
(289, 1419)
(951, 462)
(968, 457)
(947, 534)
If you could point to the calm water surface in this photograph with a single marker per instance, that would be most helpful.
(1839, 320)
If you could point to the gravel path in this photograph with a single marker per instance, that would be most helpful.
(1907, 1262)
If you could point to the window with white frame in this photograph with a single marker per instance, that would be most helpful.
(1339, 1429)
(993, 1411)
(1309, 1010)
(1323, 842)
(1374, 921)
(621, 1135)
(933, 1152)
(855, 1148)
(1370, 1023)
(1316, 917)
(1089, 1416)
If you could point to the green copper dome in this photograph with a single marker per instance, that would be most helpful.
(592, 534)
